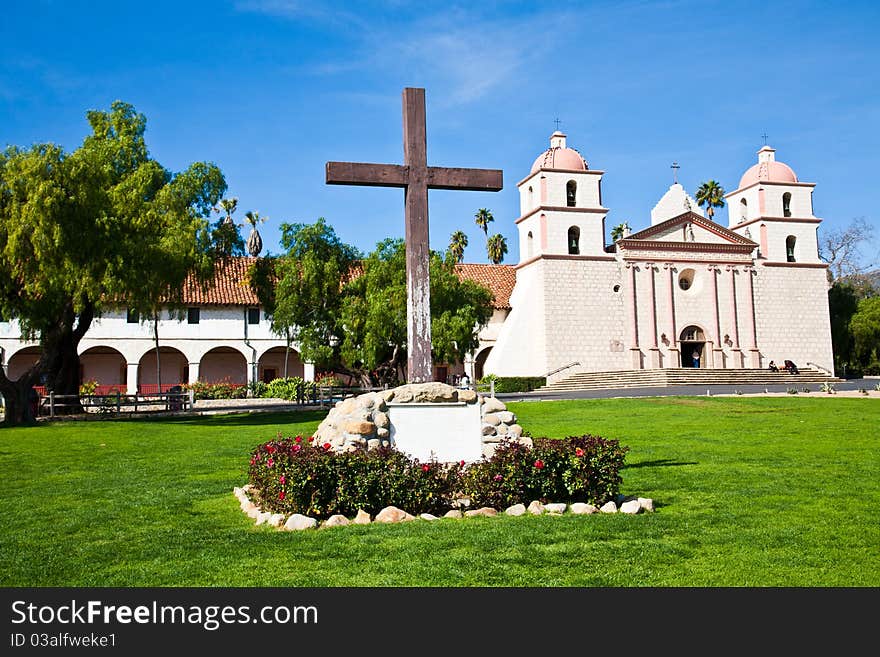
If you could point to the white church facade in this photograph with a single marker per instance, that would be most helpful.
(684, 292)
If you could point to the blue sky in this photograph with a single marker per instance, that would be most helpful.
(270, 90)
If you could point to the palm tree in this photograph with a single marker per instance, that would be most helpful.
(457, 243)
(496, 247)
(710, 194)
(228, 205)
(254, 241)
(483, 218)
(619, 231)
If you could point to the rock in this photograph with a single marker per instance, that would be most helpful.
(382, 433)
(632, 507)
(263, 518)
(467, 396)
(253, 511)
(491, 418)
(492, 404)
(485, 511)
(462, 501)
(362, 518)
(555, 507)
(359, 427)
(428, 516)
(393, 514)
(247, 488)
(646, 503)
(524, 440)
(608, 507)
(488, 430)
(276, 520)
(337, 520)
(403, 395)
(238, 492)
(536, 508)
(488, 450)
(373, 443)
(514, 430)
(501, 429)
(298, 522)
(516, 510)
(388, 395)
(621, 498)
(507, 417)
(381, 420)
(581, 508)
(453, 513)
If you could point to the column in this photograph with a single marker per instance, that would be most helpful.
(754, 353)
(635, 351)
(672, 336)
(654, 353)
(734, 325)
(308, 371)
(193, 373)
(131, 378)
(717, 352)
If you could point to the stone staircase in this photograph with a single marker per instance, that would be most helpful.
(685, 376)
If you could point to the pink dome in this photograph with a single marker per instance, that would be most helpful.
(767, 170)
(558, 156)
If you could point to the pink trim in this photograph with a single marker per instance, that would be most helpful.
(556, 208)
(702, 261)
(580, 171)
(735, 320)
(761, 201)
(803, 265)
(543, 232)
(653, 309)
(559, 256)
(714, 270)
(672, 333)
(794, 220)
(543, 190)
(754, 324)
(764, 240)
(634, 324)
(769, 182)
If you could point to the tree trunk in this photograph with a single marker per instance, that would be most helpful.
(62, 353)
(16, 399)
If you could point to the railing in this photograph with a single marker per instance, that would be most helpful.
(559, 369)
(824, 370)
(117, 402)
(153, 388)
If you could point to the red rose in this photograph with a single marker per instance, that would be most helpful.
(461, 463)
(270, 463)
(426, 467)
(539, 464)
(326, 446)
(296, 448)
(281, 495)
(270, 449)
(579, 452)
(298, 439)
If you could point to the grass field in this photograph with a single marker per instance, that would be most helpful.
(748, 491)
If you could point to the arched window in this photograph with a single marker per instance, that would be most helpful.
(574, 240)
(571, 193)
(529, 244)
(786, 204)
(789, 248)
(743, 210)
(531, 197)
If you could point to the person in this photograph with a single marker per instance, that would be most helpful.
(791, 367)
(773, 367)
(696, 357)
(464, 383)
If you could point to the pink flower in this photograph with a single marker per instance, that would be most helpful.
(252, 460)
(426, 467)
(298, 439)
(539, 464)
(270, 449)
(498, 477)
(270, 463)
(326, 446)
(461, 463)
(281, 495)
(296, 448)
(281, 480)
(579, 452)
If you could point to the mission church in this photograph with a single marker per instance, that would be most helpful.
(684, 292)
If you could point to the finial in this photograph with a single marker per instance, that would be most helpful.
(556, 121)
(675, 169)
(765, 138)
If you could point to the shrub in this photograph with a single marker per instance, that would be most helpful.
(512, 383)
(575, 469)
(257, 388)
(792, 391)
(219, 390)
(292, 388)
(88, 387)
(295, 475)
(828, 386)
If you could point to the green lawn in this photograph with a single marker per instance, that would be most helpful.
(749, 492)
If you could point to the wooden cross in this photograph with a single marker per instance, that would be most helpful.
(416, 178)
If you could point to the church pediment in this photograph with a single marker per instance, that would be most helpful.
(688, 228)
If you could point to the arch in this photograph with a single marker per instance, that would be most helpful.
(571, 193)
(790, 242)
(692, 343)
(480, 362)
(21, 361)
(531, 198)
(223, 364)
(786, 204)
(104, 365)
(743, 210)
(530, 244)
(174, 365)
(574, 240)
(271, 364)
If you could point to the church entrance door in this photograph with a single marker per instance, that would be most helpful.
(693, 346)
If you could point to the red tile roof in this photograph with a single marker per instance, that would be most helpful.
(229, 285)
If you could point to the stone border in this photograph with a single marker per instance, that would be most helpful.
(390, 514)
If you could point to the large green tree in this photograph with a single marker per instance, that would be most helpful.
(103, 226)
(865, 327)
(347, 313)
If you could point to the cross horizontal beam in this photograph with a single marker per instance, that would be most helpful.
(397, 175)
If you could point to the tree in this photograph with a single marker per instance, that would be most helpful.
(619, 231)
(85, 231)
(347, 313)
(710, 194)
(254, 241)
(458, 241)
(483, 218)
(843, 250)
(865, 326)
(225, 238)
(496, 248)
